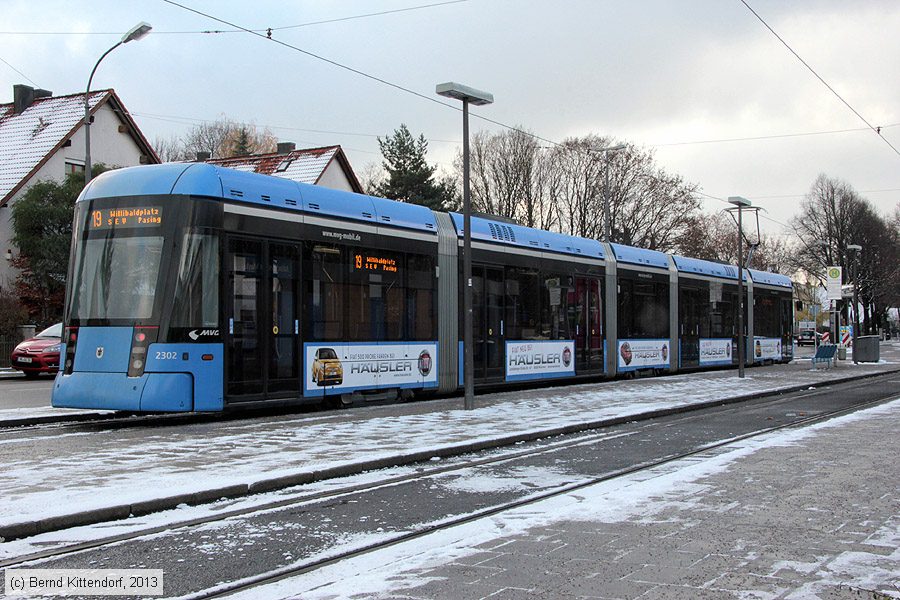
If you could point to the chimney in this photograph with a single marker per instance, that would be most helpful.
(25, 95)
(286, 147)
(203, 156)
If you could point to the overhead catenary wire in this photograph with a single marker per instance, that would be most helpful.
(769, 137)
(18, 71)
(403, 88)
(240, 30)
(876, 130)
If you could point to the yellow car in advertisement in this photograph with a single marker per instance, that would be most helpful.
(327, 368)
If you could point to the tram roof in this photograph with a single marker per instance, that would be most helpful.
(767, 278)
(511, 234)
(640, 256)
(706, 267)
(200, 179)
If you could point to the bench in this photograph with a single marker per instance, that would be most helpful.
(824, 354)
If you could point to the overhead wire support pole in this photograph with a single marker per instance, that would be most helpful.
(739, 205)
(478, 98)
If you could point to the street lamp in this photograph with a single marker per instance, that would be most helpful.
(477, 98)
(857, 249)
(741, 204)
(135, 33)
(607, 231)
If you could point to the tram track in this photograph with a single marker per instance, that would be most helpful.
(115, 513)
(589, 438)
(273, 576)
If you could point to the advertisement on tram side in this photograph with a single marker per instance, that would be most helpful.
(643, 354)
(767, 349)
(715, 352)
(334, 368)
(539, 359)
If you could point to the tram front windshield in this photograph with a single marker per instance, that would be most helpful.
(116, 277)
(118, 252)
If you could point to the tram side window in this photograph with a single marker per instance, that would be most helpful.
(420, 297)
(197, 288)
(325, 291)
(766, 317)
(643, 309)
(556, 304)
(722, 311)
(523, 304)
(375, 299)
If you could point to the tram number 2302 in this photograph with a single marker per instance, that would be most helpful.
(166, 356)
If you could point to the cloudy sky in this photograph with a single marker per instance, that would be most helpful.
(678, 76)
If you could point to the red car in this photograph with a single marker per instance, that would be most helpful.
(39, 354)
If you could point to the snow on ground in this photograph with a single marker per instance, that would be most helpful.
(70, 473)
(684, 483)
(10, 414)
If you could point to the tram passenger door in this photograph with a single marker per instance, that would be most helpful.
(488, 295)
(689, 308)
(589, 325)
(263, 334)
(284, 331)
(244, 339)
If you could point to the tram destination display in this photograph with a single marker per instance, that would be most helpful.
(374, 262)
(112, 218)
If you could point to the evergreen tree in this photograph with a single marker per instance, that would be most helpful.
(42, 231)
(243, 144)
(409, 177)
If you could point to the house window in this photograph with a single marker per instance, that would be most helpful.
(74, 167)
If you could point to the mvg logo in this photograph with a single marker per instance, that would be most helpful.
(199, 333)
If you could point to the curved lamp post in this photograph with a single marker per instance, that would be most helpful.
(476, 98)
(135, 33)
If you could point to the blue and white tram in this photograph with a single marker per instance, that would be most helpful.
(198, 288)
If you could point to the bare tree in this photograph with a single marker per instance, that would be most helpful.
(169, 149)
(834, 216)
(502, 173)
(578, 191)
(648, 207)
(714, 237)
(372, 177)
(826, 224)
(222, 138)
(244, 139)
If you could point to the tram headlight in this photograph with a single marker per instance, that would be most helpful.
(140, 342)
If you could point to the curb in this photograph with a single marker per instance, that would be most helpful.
(124, 511)
(52, 419)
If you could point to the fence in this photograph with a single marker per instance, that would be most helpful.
(6, 347)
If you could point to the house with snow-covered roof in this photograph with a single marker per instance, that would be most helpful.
(327, 166)
(42, 138)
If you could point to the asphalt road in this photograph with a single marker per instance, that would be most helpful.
(18, 392)
(195, 558)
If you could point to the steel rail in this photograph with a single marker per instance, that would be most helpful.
(546, 448)
(293, 570)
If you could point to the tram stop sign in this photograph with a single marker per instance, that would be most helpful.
(833, 280)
